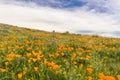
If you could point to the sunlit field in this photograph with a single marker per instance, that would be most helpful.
(27, 54)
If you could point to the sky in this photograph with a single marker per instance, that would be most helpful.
(98, 16)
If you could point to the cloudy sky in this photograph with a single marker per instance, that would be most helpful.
(63, 15)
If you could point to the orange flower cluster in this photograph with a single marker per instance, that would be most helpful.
(90, 78)
(118, 76)
(1, 45)
(89, 70)
(35, 68)
(52, 65)
(20, 75)
(6, 63)
(11, 56)
(73, 56)
(2, 70)
(74, 62)
(87, 57)
(103, 77)
(63, 48)
(34, 56)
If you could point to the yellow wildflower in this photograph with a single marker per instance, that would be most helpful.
(89, 70)
(74, 62)
(90, 78)
(6, 63)
(35, 68)
(81, 65)
(118, 77)
(101, 76)
(19, 75)
(109, 78)
(45, 61)
(2, 70)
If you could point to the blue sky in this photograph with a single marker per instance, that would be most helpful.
(70, 4)
(63, 15)
(58, 3)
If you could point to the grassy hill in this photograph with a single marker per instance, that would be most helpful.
(27, 54)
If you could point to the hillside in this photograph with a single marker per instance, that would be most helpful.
(29, 54)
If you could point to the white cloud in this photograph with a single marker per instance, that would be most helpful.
(46, 18)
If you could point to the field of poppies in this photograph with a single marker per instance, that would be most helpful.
(27, 54)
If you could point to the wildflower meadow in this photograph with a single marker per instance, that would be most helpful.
(27, 54)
